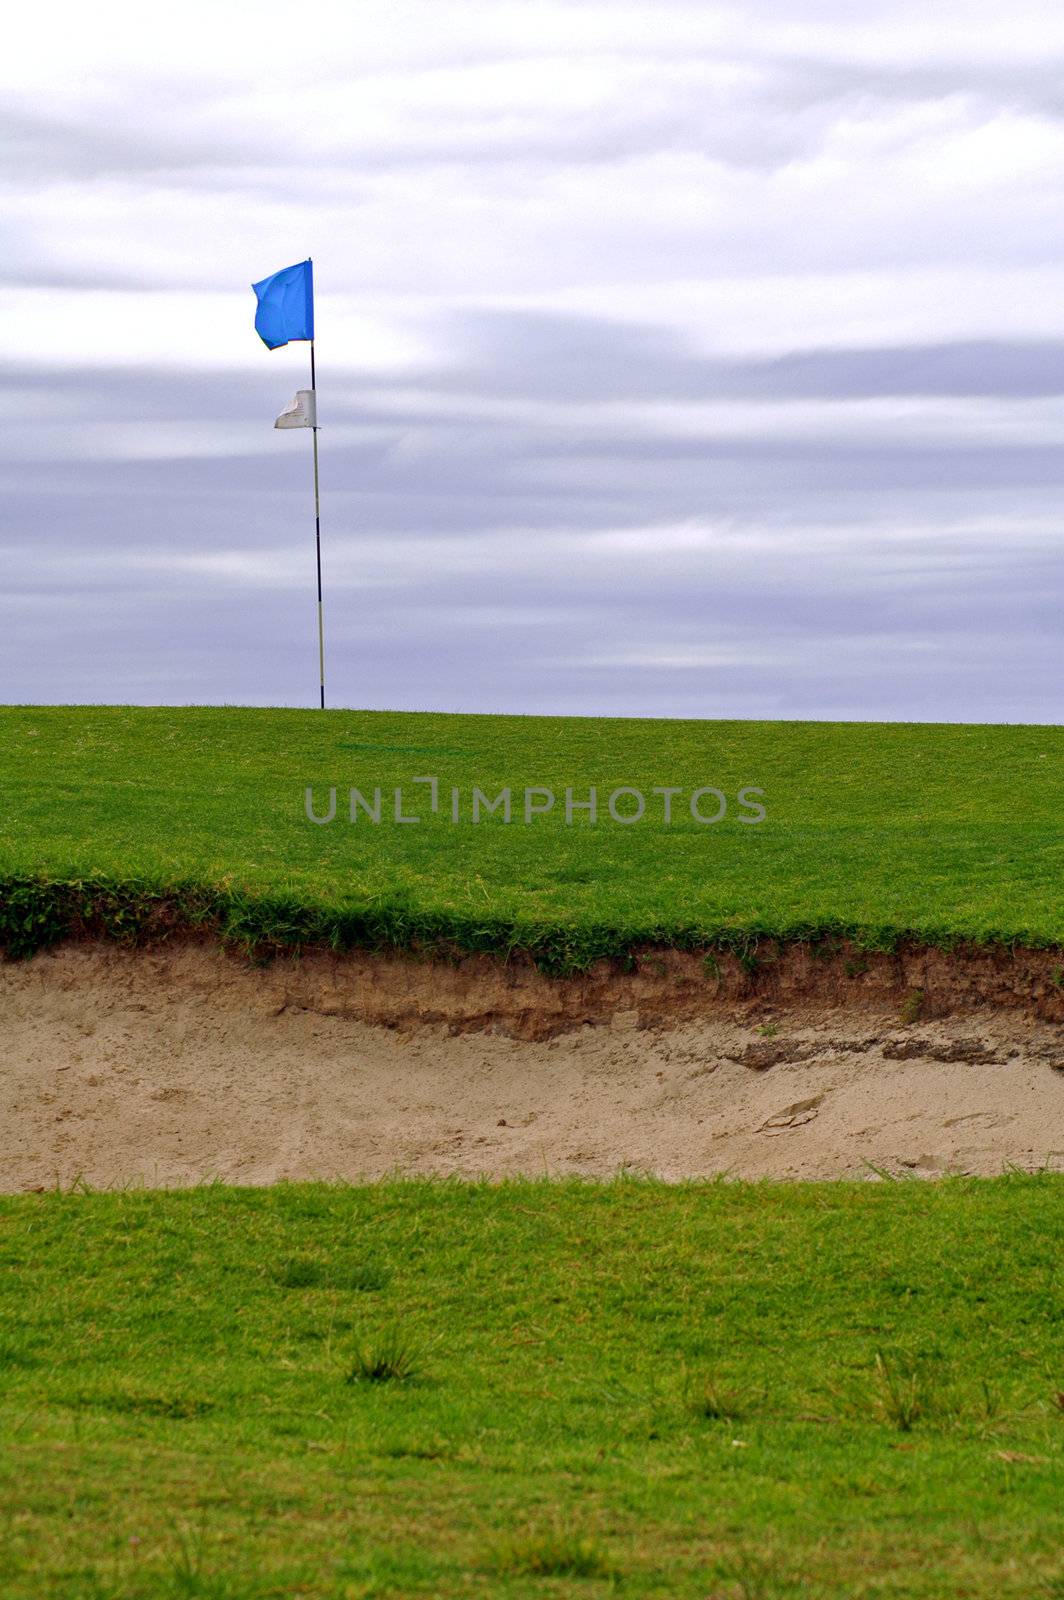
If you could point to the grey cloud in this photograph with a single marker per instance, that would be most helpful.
(169, 134)
(505, 354)
(889, 610)
(592, 358)
(455, 467)
(987, 87)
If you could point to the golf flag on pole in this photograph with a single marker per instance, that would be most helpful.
(286, 305)
(285, 312)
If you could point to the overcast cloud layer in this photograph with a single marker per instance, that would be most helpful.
(684, 360)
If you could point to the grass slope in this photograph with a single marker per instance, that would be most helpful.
(745, 1392)
(880, 830)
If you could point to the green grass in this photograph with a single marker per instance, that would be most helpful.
(723, 1390)
(118, 818)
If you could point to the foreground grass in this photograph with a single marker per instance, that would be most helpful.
(882, 831)
(534, 1389)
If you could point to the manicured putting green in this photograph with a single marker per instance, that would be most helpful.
(879, 830)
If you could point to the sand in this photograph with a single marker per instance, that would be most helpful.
(185, 1066)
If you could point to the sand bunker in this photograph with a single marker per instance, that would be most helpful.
(186, 1064)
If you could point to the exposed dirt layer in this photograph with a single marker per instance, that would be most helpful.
(184, 1063)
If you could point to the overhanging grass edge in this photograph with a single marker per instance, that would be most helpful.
(38, 912)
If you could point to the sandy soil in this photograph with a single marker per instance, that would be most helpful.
(174, 1068)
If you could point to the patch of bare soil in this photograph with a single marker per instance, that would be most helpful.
(183, 1063)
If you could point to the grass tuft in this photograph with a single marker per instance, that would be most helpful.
(753, 1575)
(391, 1358)
(556, 1552)
(308, 1272)
(707, 1396)
(300, 1272)
(901, 1391)
(119, 1403)
(912, 1006)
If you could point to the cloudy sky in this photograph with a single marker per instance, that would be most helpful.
(676, 360)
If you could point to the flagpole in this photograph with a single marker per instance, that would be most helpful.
(317, 530)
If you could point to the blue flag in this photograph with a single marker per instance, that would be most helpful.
(286, 305)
